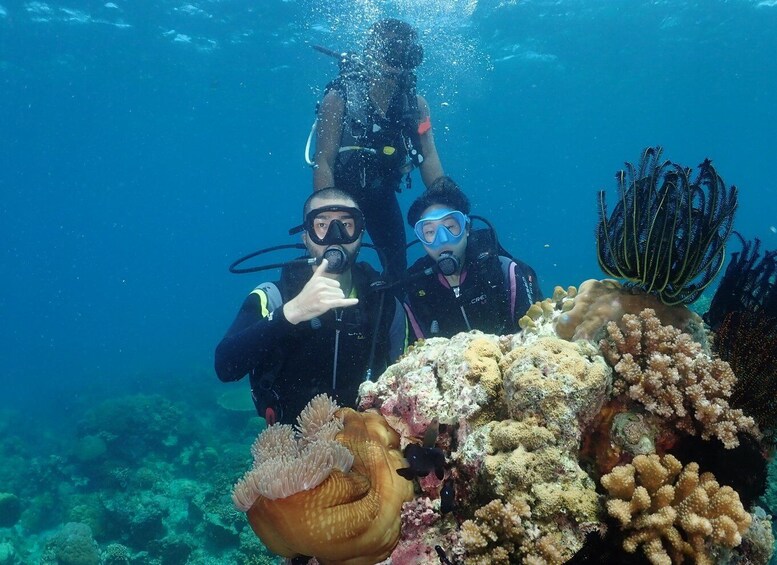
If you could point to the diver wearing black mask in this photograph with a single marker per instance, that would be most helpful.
(372, 130)
(335, 227)
(321, 328)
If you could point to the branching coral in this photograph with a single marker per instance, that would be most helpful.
(495, 534)
(672, 511)
(667, 372)
(667, 233)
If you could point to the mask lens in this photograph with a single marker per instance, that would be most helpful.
(334, 225)
(322, 225)
(441, 227)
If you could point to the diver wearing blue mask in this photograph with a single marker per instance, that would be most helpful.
(475, 283)
(322, 327)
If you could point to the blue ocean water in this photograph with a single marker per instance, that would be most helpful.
(144, 146)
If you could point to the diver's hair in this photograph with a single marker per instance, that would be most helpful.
(378, 37)
(328, 193)
(444, 190)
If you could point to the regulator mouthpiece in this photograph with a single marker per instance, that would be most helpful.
(447, 263)
(337, 258)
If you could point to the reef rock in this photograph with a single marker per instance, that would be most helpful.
(514, 409)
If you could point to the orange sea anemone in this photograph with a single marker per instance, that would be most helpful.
(353, 516)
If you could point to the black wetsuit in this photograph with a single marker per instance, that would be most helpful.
(494, 293)
(382, 150)
(289, 364)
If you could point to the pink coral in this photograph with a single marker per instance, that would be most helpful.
(667, 372)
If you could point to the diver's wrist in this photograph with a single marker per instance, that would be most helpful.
(291, 314)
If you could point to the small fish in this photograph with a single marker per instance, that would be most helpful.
(447, 496)
(422, 461)
(441, 554)
(431, 433)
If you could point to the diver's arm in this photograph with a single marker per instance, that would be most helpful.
(251, 340)
(431, 167)
(328, 134)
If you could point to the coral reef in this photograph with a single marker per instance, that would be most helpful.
(562, 384)
(10, 509)
(72, 545)
(306, 497)
(524, 427)
(514, 408)
(672, 511)
(621, 431)
(668, 373)
(452, 380)
(495, 533)
(586, 312)
(666, 234)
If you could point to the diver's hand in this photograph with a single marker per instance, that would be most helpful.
(318, 296)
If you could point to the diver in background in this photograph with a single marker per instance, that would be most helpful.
(474, 285)
(314, 331)
(372, 130)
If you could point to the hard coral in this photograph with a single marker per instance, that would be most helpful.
(451, 380)
(352, 516)
(667, 372)
(74, 545)
(495, 534)
(673, 512)
(562, 384)
(596, 303)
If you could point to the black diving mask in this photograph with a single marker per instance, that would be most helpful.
(332, 225)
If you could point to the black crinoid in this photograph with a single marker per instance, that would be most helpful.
(667, 233)
(743, 315)
(748, 285)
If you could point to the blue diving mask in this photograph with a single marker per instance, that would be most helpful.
(441, 227)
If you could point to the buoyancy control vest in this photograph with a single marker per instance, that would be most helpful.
(329, 353)
(484, 300)
(375, 149)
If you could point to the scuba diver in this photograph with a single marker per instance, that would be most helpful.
(372, 129)
(475, 284)
(323, 327)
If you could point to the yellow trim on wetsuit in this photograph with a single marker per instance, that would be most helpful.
(263, 310)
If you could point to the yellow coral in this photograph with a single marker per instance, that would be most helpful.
(495, 534)
(672, 511)
(483, 356)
